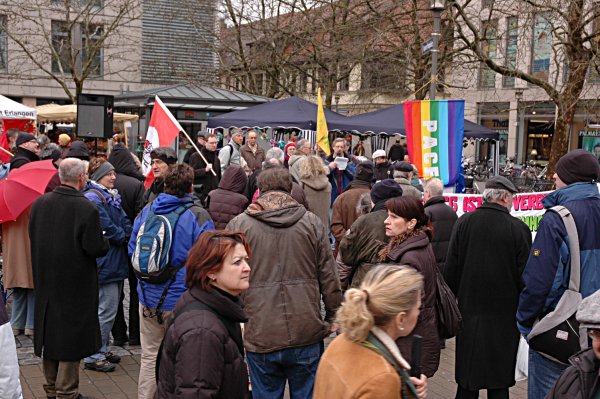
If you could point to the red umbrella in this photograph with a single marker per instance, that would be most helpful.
(23, 186)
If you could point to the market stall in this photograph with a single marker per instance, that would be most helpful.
(13, 115)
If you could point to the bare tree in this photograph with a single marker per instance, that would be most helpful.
(71, 41)
(557, 49)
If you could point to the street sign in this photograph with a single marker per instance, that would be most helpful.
(427, 46)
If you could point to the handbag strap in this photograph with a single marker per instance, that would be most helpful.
(571, 227)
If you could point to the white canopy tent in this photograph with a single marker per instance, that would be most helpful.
(10, 109)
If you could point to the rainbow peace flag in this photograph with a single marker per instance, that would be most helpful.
(434, 136)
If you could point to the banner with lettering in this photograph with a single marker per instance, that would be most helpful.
(434, 137)
(526, 206)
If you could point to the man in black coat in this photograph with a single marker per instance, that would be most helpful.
(203, 175)
(66, 279)
(129, 185)
(487, 255)
(441, 216)
(28, 150)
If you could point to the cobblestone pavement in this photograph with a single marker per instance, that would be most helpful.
(122, 383)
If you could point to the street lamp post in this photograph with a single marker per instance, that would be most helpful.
(437, 6)
(521, 123)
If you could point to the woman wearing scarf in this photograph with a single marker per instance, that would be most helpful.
(364, 361)
(409, 232)
(112, 267)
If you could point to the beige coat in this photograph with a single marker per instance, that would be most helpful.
(339, 377)
(16, 249)
(318, 195)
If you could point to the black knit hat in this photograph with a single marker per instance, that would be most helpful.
(578, 166)
(364, 171)
(384, 190)
(24, 137)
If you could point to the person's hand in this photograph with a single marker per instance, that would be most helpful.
(208, 167)
(332, 165)
(420, 385)
(333, 327)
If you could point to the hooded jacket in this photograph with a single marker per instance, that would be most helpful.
(80, 150)
(580, 380)
(547, 272)
(292, 269)
(185, 234)
(416, 251)
(113, 266)
(344, 211)
(122, 160)
(228, 200)
(318, 192)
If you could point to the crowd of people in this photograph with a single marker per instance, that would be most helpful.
(241, 261)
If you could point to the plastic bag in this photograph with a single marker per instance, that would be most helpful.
(522, 367)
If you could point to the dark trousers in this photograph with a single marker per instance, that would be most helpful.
(62, 378)
(119, 330)
(462, 393)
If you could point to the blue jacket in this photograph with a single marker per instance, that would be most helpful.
(546, 275)
(112, 267)
(344, 177)
(185, 235)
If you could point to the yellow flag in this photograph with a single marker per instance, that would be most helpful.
(322, 131)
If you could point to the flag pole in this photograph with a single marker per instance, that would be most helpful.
(197, 150)
(6, 151)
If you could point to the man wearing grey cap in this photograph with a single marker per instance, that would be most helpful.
(582, 378)
(230, 153)
(546, 275)
(486, 256)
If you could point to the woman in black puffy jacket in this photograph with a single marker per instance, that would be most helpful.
(203, 354)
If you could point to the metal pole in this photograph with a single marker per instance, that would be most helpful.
(434, 54)
(521, 132)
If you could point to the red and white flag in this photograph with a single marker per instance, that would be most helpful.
(162, 130)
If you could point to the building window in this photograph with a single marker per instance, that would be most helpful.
(542, 47)
(91, 3)
(89, 42)
(487, 77)
(512, 37)
(259, 83)
(61, 61)
(487, 4)
(3, 44)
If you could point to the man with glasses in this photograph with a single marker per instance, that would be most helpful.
(252, 153)
(28, 150)
(582, 378)
(204, 179)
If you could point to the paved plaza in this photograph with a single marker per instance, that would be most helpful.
(122, 383)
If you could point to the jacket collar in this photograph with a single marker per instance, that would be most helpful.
(357, 184)
(492, 205)
(391, 346)
(226, 305)
(27, 154)
(434, 200)
(572, 192)
(419, 240)
(67, 190)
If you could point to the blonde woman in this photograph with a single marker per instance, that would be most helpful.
(316, 186)
(364, 361)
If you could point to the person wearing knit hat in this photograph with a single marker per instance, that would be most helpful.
(230, 153)
(27, 150)
(344, 211)
(576, 179)
(288, 151)
(582, 378)
(161, 159)
(113, 268)
(359, 248)
(577, 166)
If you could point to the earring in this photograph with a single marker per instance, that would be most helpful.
(401, 328)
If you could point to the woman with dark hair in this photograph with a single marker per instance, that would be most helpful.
(203, 353)
(409, 231)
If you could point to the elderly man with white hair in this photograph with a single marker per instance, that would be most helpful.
(441, 216)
